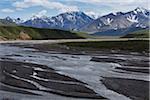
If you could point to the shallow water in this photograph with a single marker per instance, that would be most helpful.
(76, 66)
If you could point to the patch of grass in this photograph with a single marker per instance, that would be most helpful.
(12, 32)
(130, 45)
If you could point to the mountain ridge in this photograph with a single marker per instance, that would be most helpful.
(138, 18)
(65, 21)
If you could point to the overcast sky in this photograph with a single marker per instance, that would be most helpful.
(27, 8)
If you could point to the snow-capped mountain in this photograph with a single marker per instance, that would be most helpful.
(39, 22)
(17, 21)
(137, 18)
(7, 22)
(65, 21)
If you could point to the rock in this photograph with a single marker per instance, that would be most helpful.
(24, 36)
(2, 38)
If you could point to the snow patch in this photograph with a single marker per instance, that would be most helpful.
(69, 17)
(34, 73)
(115, 28)
(141, 26)
(114, 13)
(132, 18)
(135, 12)
(99, 26)
(109, 20)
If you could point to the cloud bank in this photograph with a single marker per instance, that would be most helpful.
(46, 4)
(7, 10)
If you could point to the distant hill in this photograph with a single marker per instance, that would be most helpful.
(28, 33)
(138, 34)
(119, 32)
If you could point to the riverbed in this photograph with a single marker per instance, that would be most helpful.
(94, 75)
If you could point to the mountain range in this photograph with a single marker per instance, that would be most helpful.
(64, 21)
(118, 23)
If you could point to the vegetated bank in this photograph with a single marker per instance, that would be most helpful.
(138, 34)
(128, 45)
(30, 33)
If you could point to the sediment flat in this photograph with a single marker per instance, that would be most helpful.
(39, 77)
(135, 89)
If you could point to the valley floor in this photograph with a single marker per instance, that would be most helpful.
(58, 70)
